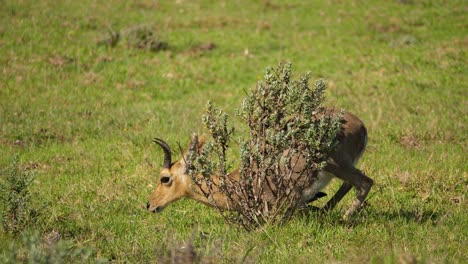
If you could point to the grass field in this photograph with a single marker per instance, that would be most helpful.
(81, 117)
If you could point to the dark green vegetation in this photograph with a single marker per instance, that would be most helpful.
(81, 116)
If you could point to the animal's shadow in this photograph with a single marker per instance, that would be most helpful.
(416, 215)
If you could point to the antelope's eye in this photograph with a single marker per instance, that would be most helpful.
(165, 179)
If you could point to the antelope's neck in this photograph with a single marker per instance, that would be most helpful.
(215, 198)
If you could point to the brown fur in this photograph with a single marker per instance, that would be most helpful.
(352, 143)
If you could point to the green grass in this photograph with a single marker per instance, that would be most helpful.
(82, 118)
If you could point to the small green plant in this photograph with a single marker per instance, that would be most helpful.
(16, 213)
(202, 252)
(290, 137)
(138, 37)
(49, 249)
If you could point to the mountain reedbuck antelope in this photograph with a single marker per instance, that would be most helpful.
(175, 183)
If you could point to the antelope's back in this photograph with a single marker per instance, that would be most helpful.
(352, 140)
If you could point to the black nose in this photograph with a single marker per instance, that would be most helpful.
(157, 209)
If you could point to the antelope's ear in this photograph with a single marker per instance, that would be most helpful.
(201, 141)
(196, 143)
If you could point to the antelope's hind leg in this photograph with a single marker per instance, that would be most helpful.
(352, 177)
(342, 191)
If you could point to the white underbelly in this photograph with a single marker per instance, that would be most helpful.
(323, 179)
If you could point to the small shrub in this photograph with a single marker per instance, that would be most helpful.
(17, 218)
(16, 213)
(188, 251)
(138, 37)
(179, 253)
(33, 249)
(290, 137)
(143, 37)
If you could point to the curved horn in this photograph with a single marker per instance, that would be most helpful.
(167, 152)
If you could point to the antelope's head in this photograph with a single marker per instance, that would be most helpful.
(174, 182)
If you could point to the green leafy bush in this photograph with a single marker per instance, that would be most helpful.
(16, 211)
(290, 137)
